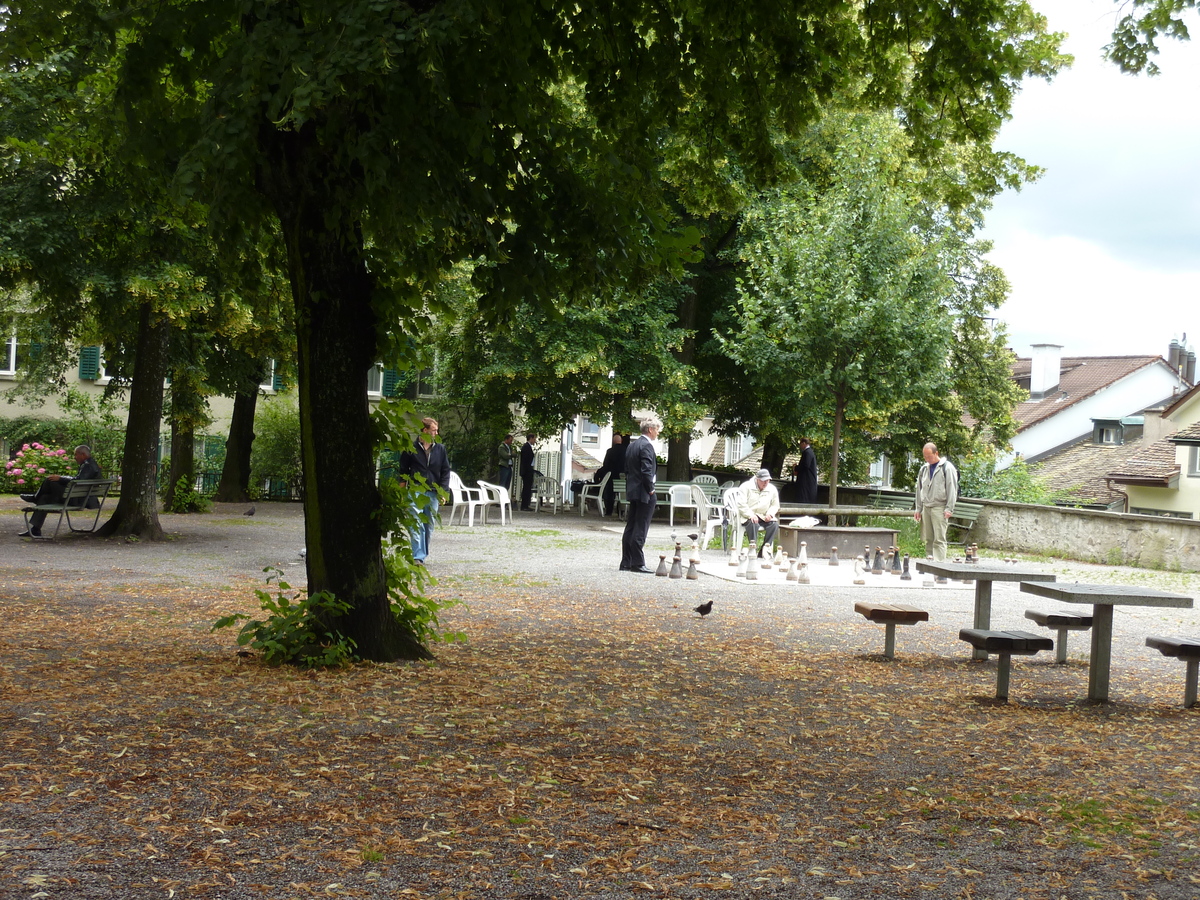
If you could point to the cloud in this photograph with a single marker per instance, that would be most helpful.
(1104, 251)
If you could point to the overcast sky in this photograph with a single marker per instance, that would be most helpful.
(1103, 253)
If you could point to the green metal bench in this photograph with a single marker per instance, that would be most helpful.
(82, 496)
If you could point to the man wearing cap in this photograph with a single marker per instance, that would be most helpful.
(758, 506)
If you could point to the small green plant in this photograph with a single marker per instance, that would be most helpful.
(187, 499)
(295, 630)
(371, 855)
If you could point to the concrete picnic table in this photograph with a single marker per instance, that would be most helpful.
(983, 574)
(1103, 598)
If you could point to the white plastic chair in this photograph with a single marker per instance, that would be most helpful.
(547, 490)
(711, 517)
(466, 500)
(681, 498)
(496, 496)
(731, 497)
(705, 479)
(593, 492)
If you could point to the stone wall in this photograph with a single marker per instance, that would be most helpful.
(1090, 535)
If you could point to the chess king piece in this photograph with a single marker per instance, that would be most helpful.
(662, 565)
(833, 560)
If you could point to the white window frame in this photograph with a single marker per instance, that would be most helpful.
(737, 447)
(8, 360)
(376, 373)
(269, 385)
(589, 431)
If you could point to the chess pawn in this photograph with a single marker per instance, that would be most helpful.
(764, 561)
(751, 573)
(906, 575)
(833, 560)
(802, 576)
(803, 553)
(743, 564)
(677, 567)
(662, 565)
(791, 574)
(692, 574)
(877, 566)
(779, 558)
(858, 570)
(895, 560)
(733, 556)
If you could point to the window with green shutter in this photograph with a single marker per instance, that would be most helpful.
(89, 363)
(391, 378)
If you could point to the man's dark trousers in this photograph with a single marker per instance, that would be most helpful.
(637, 526)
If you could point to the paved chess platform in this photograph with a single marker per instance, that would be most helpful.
(820, 573)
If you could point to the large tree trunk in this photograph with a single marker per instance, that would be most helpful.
(137, 510)
(183, 460)
(335, 329)
(235, 475)
(773, 455)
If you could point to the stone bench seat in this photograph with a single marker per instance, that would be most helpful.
(890, 615)
(1062, 622)
(1005, 645)
(1189, 652)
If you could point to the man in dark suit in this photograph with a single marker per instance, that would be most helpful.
(614, 465)
(528, 472)
(54, 488)
(806, 473)
(641, 471)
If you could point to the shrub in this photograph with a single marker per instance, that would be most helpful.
(276, 448)
(31, 464)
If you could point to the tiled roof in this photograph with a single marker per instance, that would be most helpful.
(1156, 463)
(1189, 435)
(1082, 376)
(1081, 471)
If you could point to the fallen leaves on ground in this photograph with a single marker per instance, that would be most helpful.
(594, 746)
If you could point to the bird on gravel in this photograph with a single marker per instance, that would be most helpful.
(704, 608)
(249, 512)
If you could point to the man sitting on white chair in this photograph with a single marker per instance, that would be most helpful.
(758, 507)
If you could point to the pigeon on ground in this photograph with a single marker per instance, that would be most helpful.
(704, 608)
(249, 512)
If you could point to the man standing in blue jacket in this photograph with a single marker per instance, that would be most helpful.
(427, 459)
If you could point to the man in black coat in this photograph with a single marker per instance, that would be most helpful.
(54, 488)
(614, 465)
(429, 460)
(641, 472)
(806, 473)
(528, 472)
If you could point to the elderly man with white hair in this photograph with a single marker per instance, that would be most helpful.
(758, 508)
(641, 472)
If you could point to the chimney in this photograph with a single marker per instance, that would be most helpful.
(1173, 354)
(1045, 370)
(1189, 373)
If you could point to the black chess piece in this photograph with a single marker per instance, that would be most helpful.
(676, 567)
(895, 560)
(662, 565)
(906, 575)
(877, 566)
(692, 574)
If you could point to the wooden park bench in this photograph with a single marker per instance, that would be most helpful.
(1062, 622)
(892, 501)
(1189, 652)
(965, 514)
(1005, 645)
(83, 497)
(891, 615)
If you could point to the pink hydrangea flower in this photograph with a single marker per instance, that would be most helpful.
(37, 446)
(24, 446)
(18, 471)
(41, 471)
(20, 453)
(20, 481)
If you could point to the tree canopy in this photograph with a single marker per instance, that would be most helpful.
(392, 140)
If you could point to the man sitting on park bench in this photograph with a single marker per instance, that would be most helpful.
(758, 506)
(51, 490)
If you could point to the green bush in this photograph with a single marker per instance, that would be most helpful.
(276, 448)
(294, 630)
